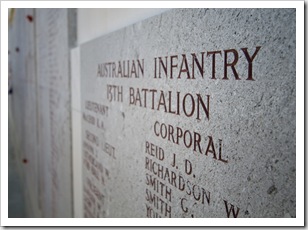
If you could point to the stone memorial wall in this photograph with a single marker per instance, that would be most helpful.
(191, 114)
(41, 97)
(22, 83)
(187, 114)
(53, 30)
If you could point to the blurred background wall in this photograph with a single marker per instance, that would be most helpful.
(44, 149)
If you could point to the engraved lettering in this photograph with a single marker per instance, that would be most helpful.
(115, 93)
(184, 69)
(200, 67)
(188, 104)
(250, 60)
(231, 209)
(121, 69)
(213, 61)
(232, 64)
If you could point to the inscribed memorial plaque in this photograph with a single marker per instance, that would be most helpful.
(191, 114)
(54, 128)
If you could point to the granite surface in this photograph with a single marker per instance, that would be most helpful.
(191, 114)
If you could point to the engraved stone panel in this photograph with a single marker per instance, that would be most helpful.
(191, 114)
(52, 34)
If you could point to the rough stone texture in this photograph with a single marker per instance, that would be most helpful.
(255, 120)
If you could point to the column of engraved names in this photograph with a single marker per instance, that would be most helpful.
(158, 193)
(54, 103)
(97, 174)
(165, 179)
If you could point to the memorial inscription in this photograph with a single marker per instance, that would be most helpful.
(191, 125)
(53, 98)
